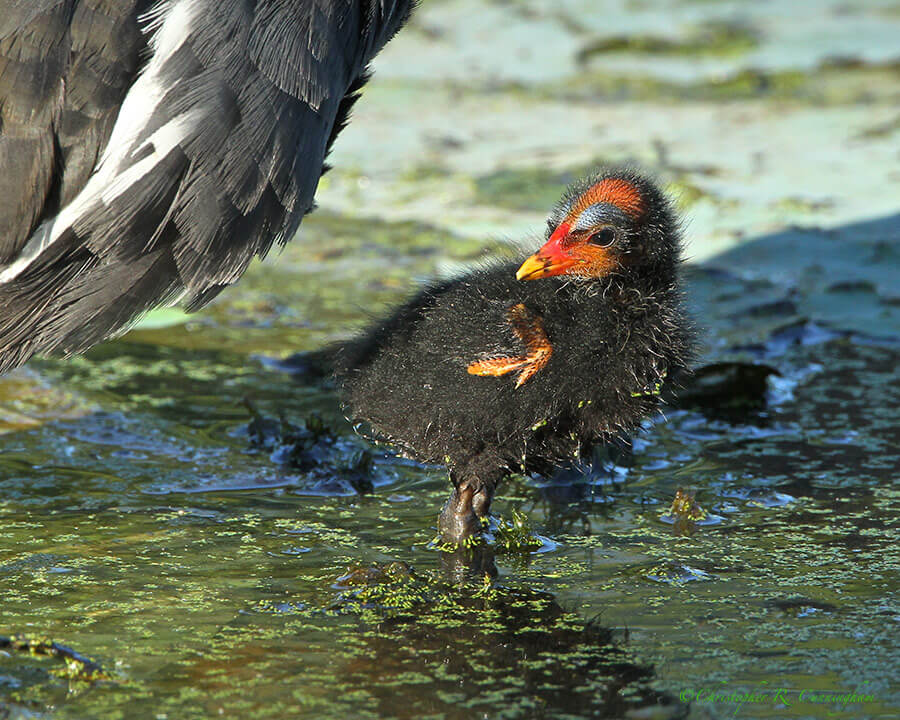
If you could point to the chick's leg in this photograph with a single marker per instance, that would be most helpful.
(466, 511)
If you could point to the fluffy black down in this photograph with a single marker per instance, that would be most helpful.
(614, 340)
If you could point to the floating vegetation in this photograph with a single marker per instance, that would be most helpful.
(684, 513)
(535, 189)
(469, 543)
(75, 665)
(526, 651)
(830, 83)
(516, 535)
(686, 192)
(713, 38)
(145, 521)
(390, 587)
(513, 536)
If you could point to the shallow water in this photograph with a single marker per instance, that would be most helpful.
(145, 523)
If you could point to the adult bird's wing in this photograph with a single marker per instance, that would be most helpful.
(154, 153)
(64, 70)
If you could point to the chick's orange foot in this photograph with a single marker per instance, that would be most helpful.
(517, 367)
(529, 328)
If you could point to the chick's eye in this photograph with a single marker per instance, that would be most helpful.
(603, 238)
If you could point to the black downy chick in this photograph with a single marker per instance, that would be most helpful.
(518, 368)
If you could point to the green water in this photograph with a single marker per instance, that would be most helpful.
(144, 526)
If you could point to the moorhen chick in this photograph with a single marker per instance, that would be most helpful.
(516, 368)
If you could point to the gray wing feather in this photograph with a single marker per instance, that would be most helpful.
(255, 93)
(34, 45)
(65, 67)
(107, 48)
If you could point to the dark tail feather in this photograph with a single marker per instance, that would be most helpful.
(96, 278)
(75, 301)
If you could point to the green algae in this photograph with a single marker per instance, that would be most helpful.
(219, 603)
(535, 188)
(141, 524)
(832, 82)
(713, 38)
(516, 535)
(538, 188)
(76, 667)
(684, 513)
(687, 193)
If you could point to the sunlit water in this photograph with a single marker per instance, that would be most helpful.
(142, 525)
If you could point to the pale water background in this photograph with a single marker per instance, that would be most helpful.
(142, 526)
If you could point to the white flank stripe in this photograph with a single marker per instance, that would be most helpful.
(164, 140)
(172, 21)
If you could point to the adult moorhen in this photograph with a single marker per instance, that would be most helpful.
(149, 150)
(519, 367)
